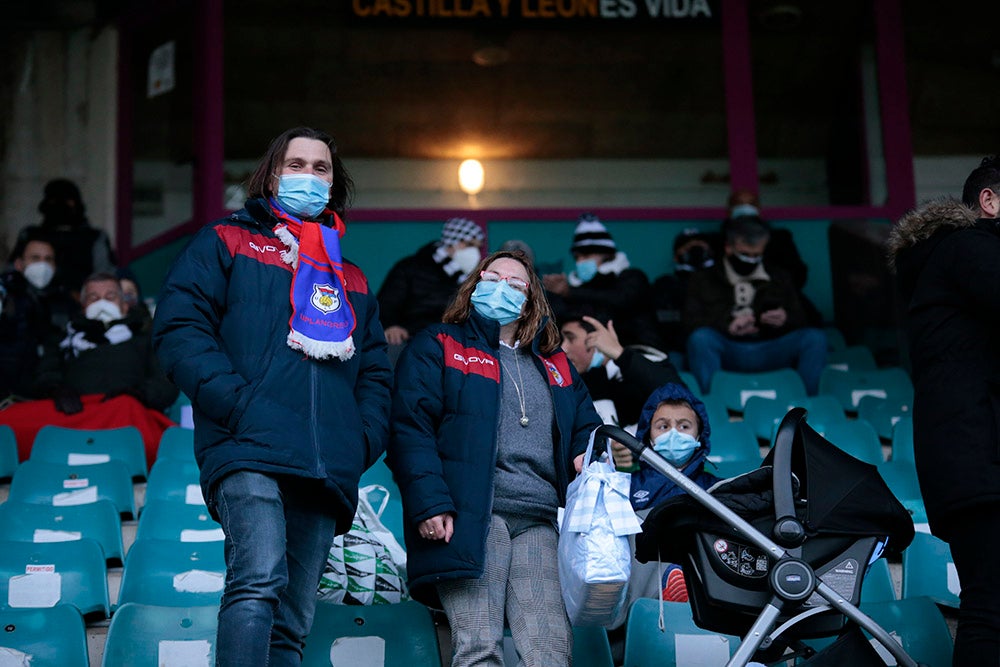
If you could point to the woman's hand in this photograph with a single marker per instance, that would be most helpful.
(440, 527)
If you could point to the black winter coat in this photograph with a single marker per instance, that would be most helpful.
(416, 291)
(640, 376)
(948, 266)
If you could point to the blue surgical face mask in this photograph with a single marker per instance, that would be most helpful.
(596, 360)
(586, 269)
(675, 446)
(304, 195)
(496, 300)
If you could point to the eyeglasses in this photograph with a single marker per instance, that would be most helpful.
(493, 277)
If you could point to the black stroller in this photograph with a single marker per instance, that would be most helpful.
(779, 554)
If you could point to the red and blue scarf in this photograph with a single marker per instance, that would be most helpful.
(323, 320)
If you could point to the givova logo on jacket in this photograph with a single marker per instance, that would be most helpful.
(469, 360)
(325, 298)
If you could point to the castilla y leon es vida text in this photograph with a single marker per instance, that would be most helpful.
(531, 9)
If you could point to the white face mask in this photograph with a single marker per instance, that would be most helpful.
(39, 274)
(103, 310)
(466, 259)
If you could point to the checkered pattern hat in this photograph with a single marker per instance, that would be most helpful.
(460, 229)
(592, 236)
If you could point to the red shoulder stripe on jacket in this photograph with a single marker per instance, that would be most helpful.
(242, 241)
(558, 367)
(355, 279)
(468, 359)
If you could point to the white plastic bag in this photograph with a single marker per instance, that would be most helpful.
(366, 565)
(594, 553)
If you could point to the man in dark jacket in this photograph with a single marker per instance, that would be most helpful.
(418, 288)
(277, 342)
(949, 280)
(603, 282)
(746, 316)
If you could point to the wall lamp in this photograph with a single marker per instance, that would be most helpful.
(471, 177)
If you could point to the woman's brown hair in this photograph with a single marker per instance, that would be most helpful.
(536, 307)
(260, 181)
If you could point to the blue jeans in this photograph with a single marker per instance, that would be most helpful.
(277, 540)
(803, 349)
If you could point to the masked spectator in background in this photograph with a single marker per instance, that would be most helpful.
(418, 288)
(693, 252)
(102, 375)
(603, 281)
(132, 293)
(80, 249)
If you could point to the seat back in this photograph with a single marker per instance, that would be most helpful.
(30, 522)
(853, 358)
(884, 413)
(173, 574)
(51, 636)
(177, 481)
(929, 571)
(680, 643)
(8, 452)
(849, 386)
(45, 574)
(902, 440)
(763, 415)
(692, 383)
(149, 636)
(402, 635)
(857, 438)
(72, 446)
(734, 449)
(919, 626)
(734, 389)
(62, 485)
(176, 444)
(878, 586)
(178, 522)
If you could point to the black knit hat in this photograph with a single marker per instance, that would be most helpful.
(592, 236)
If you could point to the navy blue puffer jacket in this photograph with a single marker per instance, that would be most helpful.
(220, 332)
(443, 445)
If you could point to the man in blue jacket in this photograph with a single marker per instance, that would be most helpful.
(277, 342)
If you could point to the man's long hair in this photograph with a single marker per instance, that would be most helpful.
(269, 167)
(536, 307)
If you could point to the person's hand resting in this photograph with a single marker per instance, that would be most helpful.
(604, 338)
(396, 335)
(439, 527)
(775, 317)
(556, 283)
(743, 325)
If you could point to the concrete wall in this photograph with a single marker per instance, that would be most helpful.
(61, 123)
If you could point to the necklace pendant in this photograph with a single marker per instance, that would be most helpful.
(524, 422)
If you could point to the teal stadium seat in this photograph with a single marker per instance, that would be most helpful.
(61, 485)
(857, 438)
(48, 637)
(178, 522)
(764, 414)
(173, 574)
(176, 481)
(734, 449)
(834, 339)
(680, 643)
(591, 648)
(878, 586)
(902, 440)
(150, 636)
(176, 444)
(691, 382)
(919, 626)
(47, 573)
(849, 387)
(929, 571)
(394, 635)
(853, 358)
(30, 522)
(8, 452)
(56, 444)
(884, 413)
(734, 389)
(180, 411)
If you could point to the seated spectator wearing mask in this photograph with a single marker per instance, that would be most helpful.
(418, 288)
(603, 281)
(618, 378)
(102, 375)
(745, 315)
(137, 308)
(25, 319)
(693, 252)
